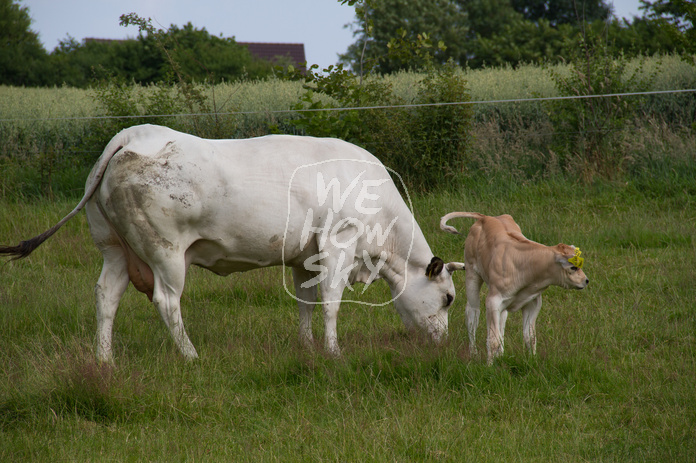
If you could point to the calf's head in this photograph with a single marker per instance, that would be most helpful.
(427, 296)
(572, 275)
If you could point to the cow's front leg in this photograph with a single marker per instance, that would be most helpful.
(306, 299)
(331, 294)
(494, 342)
(339, 262)
(330, 333)
(529, 315)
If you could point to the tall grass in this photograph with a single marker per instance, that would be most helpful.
(613, 378)
(487, 84)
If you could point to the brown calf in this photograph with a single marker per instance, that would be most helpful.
(516, 271)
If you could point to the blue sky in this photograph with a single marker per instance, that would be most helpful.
(319, 24)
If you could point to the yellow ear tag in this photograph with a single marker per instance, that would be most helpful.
(577, 260)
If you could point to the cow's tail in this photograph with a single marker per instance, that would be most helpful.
(24, 248)
(454, 215)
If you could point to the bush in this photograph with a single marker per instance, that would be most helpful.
(588, 128)
(426, 145)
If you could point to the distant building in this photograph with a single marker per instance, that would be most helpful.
(292, 53)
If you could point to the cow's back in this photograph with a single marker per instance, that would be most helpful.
(249, 198)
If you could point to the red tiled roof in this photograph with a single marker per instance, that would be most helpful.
(273, 51)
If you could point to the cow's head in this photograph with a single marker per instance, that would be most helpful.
(570, 264)
(427, 296)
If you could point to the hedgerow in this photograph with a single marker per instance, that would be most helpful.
(51, 137)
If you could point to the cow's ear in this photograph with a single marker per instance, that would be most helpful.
(434, 268)
(452, 266)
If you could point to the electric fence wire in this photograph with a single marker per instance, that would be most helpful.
(355, 108)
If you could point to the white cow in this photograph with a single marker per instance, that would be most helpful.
(158, 201)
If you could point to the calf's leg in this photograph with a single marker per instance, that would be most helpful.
(501, 322)
(494, 341)
(529, 316)
(473, 306)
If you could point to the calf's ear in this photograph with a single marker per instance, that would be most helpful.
(563, 261)
(434, 268)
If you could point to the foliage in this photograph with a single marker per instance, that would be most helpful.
(477, 33)
(560, 12)
(474, 32)
(197, 54)
(440, 135)
(23, 61)
(178, 93)
(522, 41)
(587, 126)
(384, 26)
(124, 102)
(77, 64)
(432, 140)
(678, 20)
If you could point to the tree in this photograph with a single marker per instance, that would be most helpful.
(206, 57)
(150, 58)
(381, 21)
(559, 12)
(474, 32)
(641, 36)
(22, 57)
(676, 19)
(522, 41)
(78, 63)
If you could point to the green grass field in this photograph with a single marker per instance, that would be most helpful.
(614, 378)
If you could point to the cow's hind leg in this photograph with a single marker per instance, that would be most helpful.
(306, 300)
(113, 280)
(112, 283)
(169, 278)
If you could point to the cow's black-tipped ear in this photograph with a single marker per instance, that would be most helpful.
(434, 267)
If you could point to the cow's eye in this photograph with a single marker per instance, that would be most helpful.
(574, 268)
(450, 298)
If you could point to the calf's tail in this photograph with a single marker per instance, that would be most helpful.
(454, 215)
(24, 248)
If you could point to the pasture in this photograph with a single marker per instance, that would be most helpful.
(614, 378)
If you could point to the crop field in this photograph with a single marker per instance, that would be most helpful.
(613, 379)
